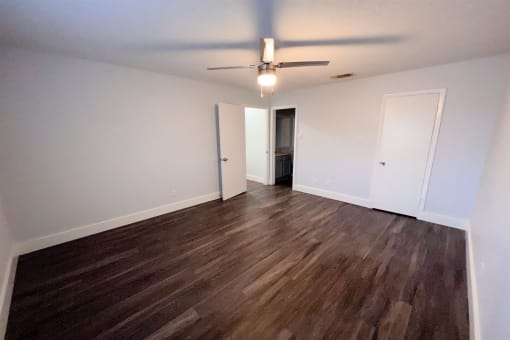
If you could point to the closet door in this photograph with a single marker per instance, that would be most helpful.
(403, 153)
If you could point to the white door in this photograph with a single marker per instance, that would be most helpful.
(232, 150)
(403, 153)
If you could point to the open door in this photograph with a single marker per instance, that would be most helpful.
(232, 149)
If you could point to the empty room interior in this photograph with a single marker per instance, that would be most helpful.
(255, 169)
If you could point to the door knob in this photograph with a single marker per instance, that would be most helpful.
(224, 159)
(382, 163)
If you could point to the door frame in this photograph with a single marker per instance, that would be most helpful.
(267, 176)
(432, 147)
(272, 142)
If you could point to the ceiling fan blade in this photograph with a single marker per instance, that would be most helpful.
(230, 67)
(195, 46)
(267, 50)
(367, 40)
(302, 63)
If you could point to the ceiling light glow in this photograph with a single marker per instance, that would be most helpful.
(266, 79)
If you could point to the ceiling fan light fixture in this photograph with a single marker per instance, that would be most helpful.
(267, 67)
(266, 78)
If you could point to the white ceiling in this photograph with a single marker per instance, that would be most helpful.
(183, 37)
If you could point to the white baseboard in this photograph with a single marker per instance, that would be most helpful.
(6, 292)
(257, 179)
(364, 202)
(474, 316)
(79, 232)
(449, 221)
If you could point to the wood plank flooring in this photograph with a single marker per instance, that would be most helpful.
(269, 264)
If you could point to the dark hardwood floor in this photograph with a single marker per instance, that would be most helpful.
(269, 264)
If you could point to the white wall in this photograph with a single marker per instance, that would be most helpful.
(257, 144)
(337, 130)
(6, 253)
(82, 142)
(490, 234)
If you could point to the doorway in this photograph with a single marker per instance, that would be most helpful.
(407, 139)
(284, 146)
(257, 144)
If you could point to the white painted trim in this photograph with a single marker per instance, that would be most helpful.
(254, 178)
(364, 202)
(449, 221)
(75, 233)
(267, 173)
(433, 142)
(6, 292)
(474, 312)
(295, 147)
(432, 148)
(415, 93)
(272, 143)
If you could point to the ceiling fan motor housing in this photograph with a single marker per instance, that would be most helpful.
(267, 68)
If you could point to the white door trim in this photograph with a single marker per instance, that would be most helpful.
(433, 143)
(272, 142)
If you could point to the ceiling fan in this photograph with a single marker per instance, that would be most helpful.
(267, 66)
